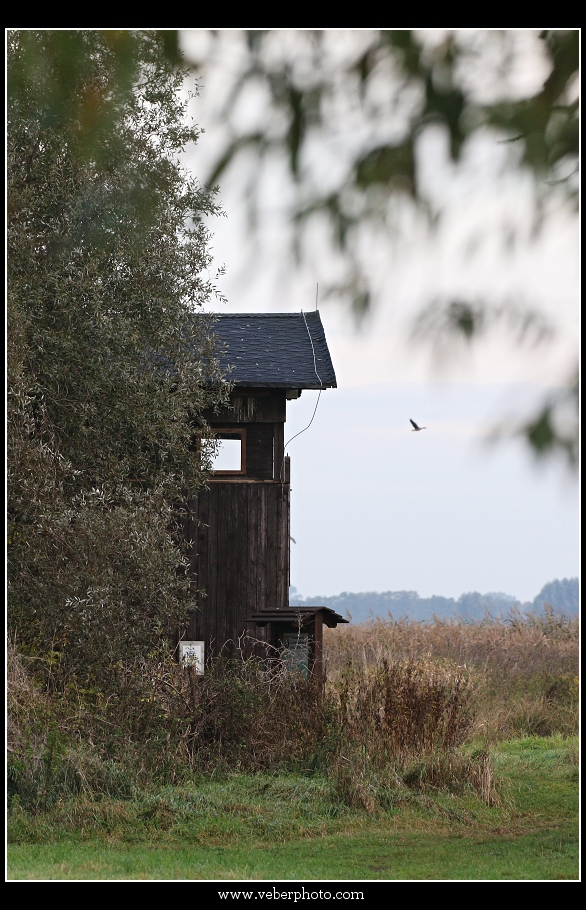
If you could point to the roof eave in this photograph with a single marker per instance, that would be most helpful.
(293, 384)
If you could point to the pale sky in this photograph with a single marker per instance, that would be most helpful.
(376, 507)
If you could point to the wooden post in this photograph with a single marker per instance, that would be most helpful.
(278, 451)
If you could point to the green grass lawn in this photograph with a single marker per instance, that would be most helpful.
(292, 827)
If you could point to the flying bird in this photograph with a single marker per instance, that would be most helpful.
(415, 427)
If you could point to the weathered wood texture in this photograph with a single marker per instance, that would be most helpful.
(239, 535)
(251, 406)
(259, 450)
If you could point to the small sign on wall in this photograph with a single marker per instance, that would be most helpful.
(191, 654)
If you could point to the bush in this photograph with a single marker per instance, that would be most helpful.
(404, 708)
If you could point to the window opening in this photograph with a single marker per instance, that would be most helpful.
(229, 455)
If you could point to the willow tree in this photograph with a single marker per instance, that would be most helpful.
(108, 370)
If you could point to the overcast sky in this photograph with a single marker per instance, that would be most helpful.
(375, 506)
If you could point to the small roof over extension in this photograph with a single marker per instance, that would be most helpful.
(275, 350)
(297, 615)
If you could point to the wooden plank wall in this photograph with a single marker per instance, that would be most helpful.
(239, 558)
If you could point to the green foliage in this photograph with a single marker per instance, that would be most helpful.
(107, 368)
(547, 123)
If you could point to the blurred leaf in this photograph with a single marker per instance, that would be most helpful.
(554, 429)
(392, 165)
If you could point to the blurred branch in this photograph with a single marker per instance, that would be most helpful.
(554, 427)
(443, 323)
(366, 98)
(393, 71)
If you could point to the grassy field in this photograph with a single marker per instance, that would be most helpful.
(266, 827)
(436, 751)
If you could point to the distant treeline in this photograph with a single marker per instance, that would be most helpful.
(562, 595)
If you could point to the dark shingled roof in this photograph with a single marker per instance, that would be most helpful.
(275, 350)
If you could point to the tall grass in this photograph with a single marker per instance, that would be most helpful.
(406, 708)
(525, 668)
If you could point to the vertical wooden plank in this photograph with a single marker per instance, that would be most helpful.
(269, 531)
(285, 547)
(222, 520)
(278, 449)
(234, 599)
(241, 606)
(288, 482)
(232, 518)
(251, 557)
(254, 561)
(225, 568)
(262, 546)
(200, 562)
(211, 552)
(273, 491)
(278, 546)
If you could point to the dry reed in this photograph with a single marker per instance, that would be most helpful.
(525, 668)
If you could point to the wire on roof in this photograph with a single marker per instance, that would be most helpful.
(316, 404)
